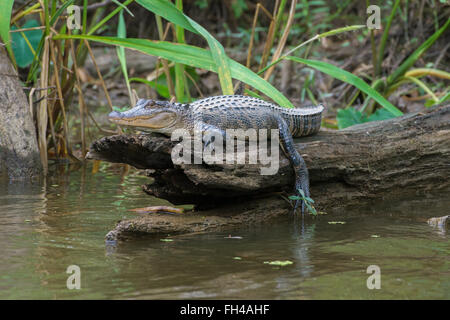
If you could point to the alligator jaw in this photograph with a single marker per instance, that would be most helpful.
(154, 120)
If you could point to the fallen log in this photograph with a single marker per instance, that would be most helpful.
(368, 161)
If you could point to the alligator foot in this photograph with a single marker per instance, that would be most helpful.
(303, 186)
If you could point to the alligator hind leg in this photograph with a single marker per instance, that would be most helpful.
(301, 171)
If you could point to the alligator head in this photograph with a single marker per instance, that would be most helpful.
(156, 116)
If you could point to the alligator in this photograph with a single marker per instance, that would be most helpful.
(219, 113)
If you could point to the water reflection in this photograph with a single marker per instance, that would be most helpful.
(60, 221)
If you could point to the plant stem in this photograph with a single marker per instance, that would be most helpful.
(384, 38)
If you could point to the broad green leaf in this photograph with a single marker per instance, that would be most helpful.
(350, 78)
(169, 12)
(22, 52)
(5, 20)
(192, 56)
(350, 116)
(380, 114)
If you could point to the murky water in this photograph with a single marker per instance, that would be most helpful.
(46, 228)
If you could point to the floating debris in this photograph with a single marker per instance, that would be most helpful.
(279, 263)
(166, 240)
(237, 258)
(337, 222)
(233, 237)
(439, 221)
(158, 209)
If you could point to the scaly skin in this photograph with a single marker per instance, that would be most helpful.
(230, 112)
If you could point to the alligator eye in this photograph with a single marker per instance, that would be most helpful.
(150, 104)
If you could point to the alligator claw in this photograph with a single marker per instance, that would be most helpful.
(208, 142)
(209, 137)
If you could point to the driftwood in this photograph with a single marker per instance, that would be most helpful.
(369, 161)
(19, 153)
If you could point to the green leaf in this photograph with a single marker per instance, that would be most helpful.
(192, 56)
(349, 117)
(279, 263)
(380, 114)
(5, 21)
(124, 7)
(350, 78)
(22, 52)
(168, 11)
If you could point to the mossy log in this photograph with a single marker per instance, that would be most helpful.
(373, 160)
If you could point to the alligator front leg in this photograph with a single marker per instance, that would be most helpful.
(301, 171)
(209, 134)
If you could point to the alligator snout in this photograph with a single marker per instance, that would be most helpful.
(114, 115)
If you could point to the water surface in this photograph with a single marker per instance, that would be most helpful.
(45, 227)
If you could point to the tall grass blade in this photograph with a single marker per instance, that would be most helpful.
(192, 56)
(169, 12)
(5, 20)
(420, 72)
(408, 63)
(109, 16)
(350, 78)
(423, 86)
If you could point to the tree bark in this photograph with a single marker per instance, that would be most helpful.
(368, 161)
(19, 153)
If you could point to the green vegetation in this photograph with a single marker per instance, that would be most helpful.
(50, 56)
(279, 263)
(308, 201)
